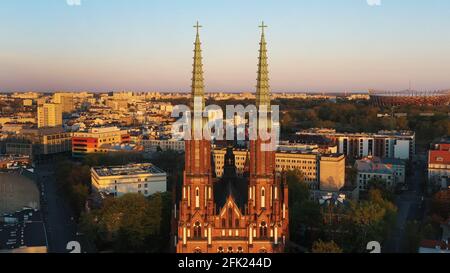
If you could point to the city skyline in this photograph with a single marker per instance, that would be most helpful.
(53, 46)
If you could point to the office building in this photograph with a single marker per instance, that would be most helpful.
(145, 179)
(94, 139)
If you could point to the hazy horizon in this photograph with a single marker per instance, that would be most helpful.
(314, 46)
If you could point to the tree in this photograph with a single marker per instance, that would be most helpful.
(131, 223)
(364, 225)
(298, 189)
(370, 220)
(381, 186)
(74, 181)
(441, 204)
(117, 158)
(326, 247)
(304, 214)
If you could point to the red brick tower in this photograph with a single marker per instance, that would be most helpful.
(197, 204)
(267, 195)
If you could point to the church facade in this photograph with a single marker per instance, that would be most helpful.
(231, 215)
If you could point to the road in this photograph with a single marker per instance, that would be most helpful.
(60, 227)
(410, 208)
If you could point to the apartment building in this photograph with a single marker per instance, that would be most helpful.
(49, 115)
(384, 144)
(66, 100)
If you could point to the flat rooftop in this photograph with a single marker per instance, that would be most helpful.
(130, 169)
(373, 167)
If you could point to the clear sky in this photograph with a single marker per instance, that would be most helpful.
(146, 45)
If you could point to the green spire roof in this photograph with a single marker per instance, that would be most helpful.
(262, 86)
(198, 87)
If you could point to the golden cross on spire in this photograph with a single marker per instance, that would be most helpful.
(263, 26)
(198, 26)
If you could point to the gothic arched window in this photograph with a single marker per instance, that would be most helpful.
(197, 197)
(263, 198)
(197, 231)
(230, 217)
(263, 230)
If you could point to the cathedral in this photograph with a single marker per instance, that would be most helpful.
(233, 214)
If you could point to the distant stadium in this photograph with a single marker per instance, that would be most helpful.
(410, 97)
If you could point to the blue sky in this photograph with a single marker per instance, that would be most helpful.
(146, 45)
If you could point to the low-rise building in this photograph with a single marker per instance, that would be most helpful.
(439, 164)
(399, 167)
(145, 179)
(38, 142)
(373, 168)
(92, 141)
(153, 145)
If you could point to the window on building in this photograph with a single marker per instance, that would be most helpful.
(263, 230)
(263, 198)
(197, 231)
(197, 197)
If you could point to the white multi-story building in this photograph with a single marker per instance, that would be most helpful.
(152, 145)
(384, 144)
(145, 179)
(391, 171)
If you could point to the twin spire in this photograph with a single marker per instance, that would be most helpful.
(262, 82)
(262, 85)
(198, 86)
